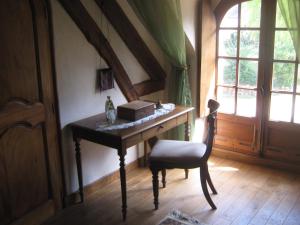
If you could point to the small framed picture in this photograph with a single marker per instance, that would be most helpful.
(105, 79)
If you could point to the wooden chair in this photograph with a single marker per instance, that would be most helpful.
(170, 154)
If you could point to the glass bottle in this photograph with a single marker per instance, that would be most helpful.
(110, 111)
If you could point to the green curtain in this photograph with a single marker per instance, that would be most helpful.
(290, 10)
(164, 21)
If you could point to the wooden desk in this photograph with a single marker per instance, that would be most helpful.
(122, 139)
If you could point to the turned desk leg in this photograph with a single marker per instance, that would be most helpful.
(79, 168)
(123, 183)
(188, 128)
(187, 138)
(145, 153)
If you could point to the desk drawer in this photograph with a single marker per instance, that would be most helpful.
(133, 140)
(159, 129)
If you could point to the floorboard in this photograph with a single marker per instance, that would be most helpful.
(247, 194)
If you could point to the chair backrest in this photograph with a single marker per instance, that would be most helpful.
(211, 118)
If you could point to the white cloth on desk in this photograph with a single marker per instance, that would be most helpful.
(122, 124)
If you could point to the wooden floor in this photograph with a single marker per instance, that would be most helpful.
(247, 195)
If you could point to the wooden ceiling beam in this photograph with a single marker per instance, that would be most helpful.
(96, 38)
(148, 87)
(132, 39)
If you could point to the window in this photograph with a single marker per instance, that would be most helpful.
(238, 59)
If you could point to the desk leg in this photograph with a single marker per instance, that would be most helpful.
(187, 138)
(79, 168)
(123, 183)
(145, 153)
(188, 128)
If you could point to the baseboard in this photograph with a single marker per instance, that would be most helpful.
(255, 160)
(89, 189)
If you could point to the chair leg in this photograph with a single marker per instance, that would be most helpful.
(163, 180)
(203, 178)
(186, 171)
(212, 187)
(155, 186)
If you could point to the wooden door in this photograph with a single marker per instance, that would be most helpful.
(282, 92)
(30, 180)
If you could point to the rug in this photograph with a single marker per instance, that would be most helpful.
(178, 218)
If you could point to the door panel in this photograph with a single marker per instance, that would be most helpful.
(18, 59)
(282, 141)
(24, 161)
(30, 179)
(236, 133)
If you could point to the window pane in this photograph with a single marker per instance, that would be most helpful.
(226, 98)
(279, 18)
(297, 110)
(250, 14)
(298, 79)
(281, 107)
(227, 42)
(226, 71)
(249, 44)
(283, 46)
(283, 76)
(246, 103)
(248, 73)
(231, 17)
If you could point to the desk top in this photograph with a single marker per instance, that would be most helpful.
(91, 124)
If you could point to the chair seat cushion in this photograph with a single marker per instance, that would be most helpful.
(177, 153)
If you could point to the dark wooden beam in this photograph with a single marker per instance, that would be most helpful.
(96, 38)
(148, 87)
(132, 39)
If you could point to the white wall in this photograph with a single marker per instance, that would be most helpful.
(189, 11)
(76, 64)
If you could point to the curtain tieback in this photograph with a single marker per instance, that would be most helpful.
(181, 68)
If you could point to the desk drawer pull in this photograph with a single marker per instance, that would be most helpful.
(159, 129)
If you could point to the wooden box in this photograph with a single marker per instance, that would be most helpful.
(135, 110)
